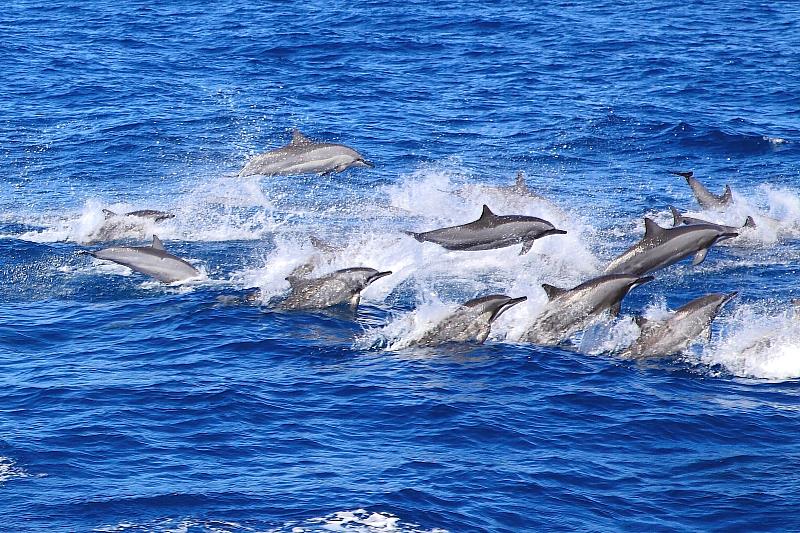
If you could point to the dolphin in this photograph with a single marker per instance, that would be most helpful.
(472, 321)
(681, 220)
(491, 231)
(332, 289)
(518, 189)
(662, 338)
(570, 310)
(304, 156)
(705, 197)
(151, 260)
(134, 224)
(149, 214)
(662, 247)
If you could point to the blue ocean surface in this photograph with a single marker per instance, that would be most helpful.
(129, 405)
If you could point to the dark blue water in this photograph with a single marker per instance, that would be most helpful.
(126, 405)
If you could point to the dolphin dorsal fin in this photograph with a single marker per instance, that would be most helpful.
(677, 219)
(109, 213)
(157, 244)
(640, 321)
(651, 229)
(519, 183)
(486, 214)
(552, 291)
(299, 138)
(749, 222)
(727, 196)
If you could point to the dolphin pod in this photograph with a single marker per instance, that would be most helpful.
(566, 312)
(491, 231)
(304, 156)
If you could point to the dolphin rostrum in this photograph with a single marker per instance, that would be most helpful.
(570, 310)
(151, 260)
(682, 220)
(471, 322)
(706, 198)
(491, 231)
(332, 289)
(662, 247)
(662, 338)
(304, 156)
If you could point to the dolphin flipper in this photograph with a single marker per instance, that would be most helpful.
(700, 256)
(526, 246)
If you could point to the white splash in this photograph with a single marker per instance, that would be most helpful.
(757, 343)
(355, 521)
(359, 521)
(218, 209)
(10, 470)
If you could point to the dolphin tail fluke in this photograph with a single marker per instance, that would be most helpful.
(749, 222)
(682, 173)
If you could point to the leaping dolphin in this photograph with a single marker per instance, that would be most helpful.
(151, 260)
(569, 311)
(662, 247)
(682, 220)
(304, 156)
(472, 322)
(705, 197)
(491, 231)
(662, 338)
(332, 289)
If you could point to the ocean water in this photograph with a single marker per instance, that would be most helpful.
(128, 405)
